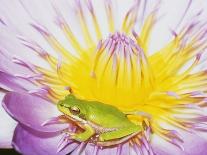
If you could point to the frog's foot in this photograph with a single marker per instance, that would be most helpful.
(116, 141)
(81, 137)
(75, 136)
(94, 139)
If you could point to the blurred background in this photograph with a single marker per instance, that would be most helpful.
(8, 151)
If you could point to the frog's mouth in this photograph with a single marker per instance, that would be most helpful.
(76, 120)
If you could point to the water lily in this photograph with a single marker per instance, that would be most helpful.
(106, 51)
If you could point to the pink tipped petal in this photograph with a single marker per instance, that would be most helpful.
(2, 21)
(7, 65)
(95, 150)
(80, 149)
(106, 151)
(136, 150)
(32, 111)
(34, 143)
(91, 149)
(7, 127)
(123, 149)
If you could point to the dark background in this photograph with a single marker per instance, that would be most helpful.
(8, 152)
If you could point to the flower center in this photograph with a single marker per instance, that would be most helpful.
(121, 72)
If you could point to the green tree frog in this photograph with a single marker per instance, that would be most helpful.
(103, 121)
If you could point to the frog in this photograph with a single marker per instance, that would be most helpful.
(109, 125)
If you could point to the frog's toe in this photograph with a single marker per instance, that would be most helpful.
(77, 138)
(94, 139)
(101, 139)
(73, 136)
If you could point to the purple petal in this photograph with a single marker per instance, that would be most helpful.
(193, 144)
(31, 142)
(122, 149)
(12, 83)
(161, 147)
(7, 127)
(32, 111)
(91, 149)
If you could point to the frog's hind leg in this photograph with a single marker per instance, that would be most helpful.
(119, 133)
(117, 141)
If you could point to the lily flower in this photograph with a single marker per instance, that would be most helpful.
(114, 52)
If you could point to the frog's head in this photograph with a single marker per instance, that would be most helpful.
(73, 108)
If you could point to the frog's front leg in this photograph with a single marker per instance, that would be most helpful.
(89, 131)
(120, 133)
(138, 113)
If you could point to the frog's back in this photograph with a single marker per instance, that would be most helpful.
(106, 115)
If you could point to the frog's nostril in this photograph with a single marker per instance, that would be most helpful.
(60, 105)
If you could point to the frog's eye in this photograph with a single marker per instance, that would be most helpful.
(74, 110)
